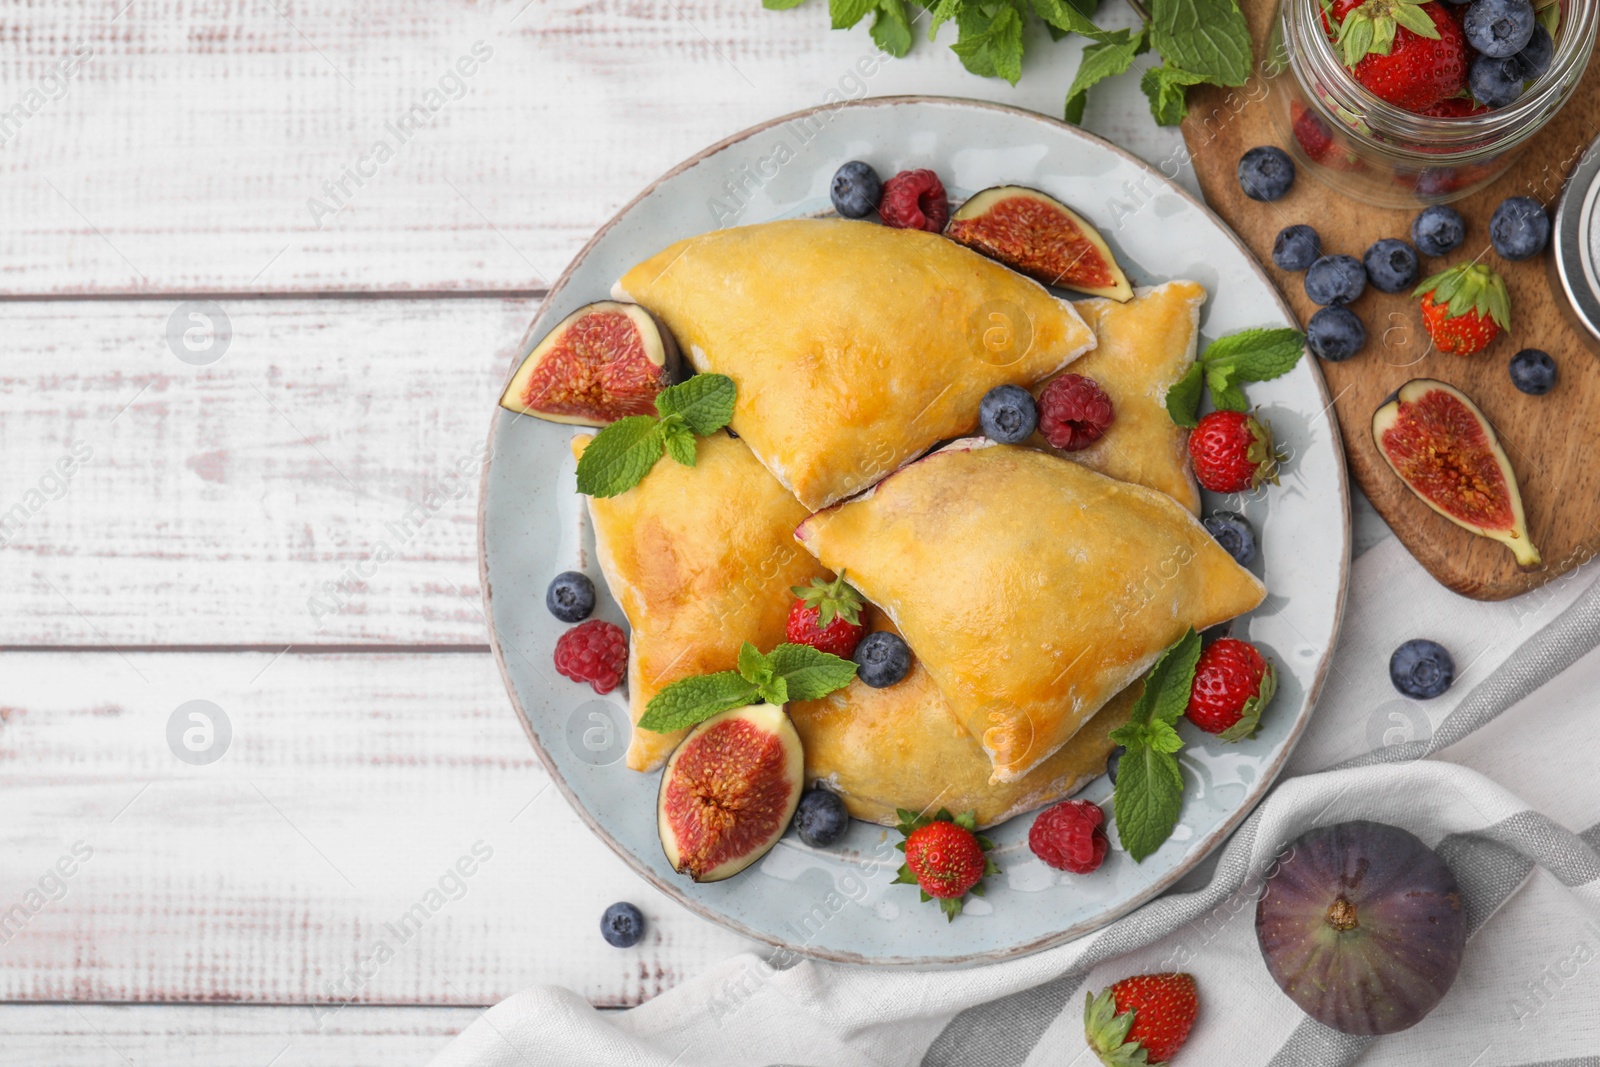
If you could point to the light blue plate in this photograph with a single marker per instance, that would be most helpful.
(837, 903)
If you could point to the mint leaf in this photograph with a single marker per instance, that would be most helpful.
(1166, 87)
(619, 456)
(1225, 395)
(1183, 398)
(942, 11)
(755, 667)
(680, 443)
(1258, 355)
(1067, 17)
(1167, 685)
(1102, 61)
(1147, 799)
(990, 45)
(781, 5)
(810, 673)
(891, 29)
(1206, 38)
(846, 13)
(689, 701)
(705, 402)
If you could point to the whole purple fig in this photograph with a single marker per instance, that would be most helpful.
(1362, 925)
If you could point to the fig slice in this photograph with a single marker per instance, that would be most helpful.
(729, 791)
(1446, 452)
(600, 363)
(1363, 926)
(1038, 235)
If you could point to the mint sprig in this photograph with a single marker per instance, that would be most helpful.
(1149, 789)
(788, 672)
(623, 453)
(1200, 41)
(1255, 355)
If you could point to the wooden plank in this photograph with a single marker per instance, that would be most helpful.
(1556, 475)
(217, 1035)
(225, 120)
(147, 501)
(355, 790)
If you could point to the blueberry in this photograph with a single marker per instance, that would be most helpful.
(1499, 28)
(1535, 57)
(1008, 414)
(1495, 82)
(1335, 334)
(1533, 371)
(820, 818)
(1114, 761)
(1265, 172)
(1335, 280)
(1519, 228)
(1421, 668)
(1392, 265)
(855, 190)
(1234, 533)
(1438, 230)
(882, 659)
(622, 925)
(570, 597)
(1296, 248)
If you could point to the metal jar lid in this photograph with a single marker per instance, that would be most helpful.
(1577, 240)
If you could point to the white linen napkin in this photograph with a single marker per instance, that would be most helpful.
(1511, 801)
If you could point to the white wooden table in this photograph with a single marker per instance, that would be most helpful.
(242, 350)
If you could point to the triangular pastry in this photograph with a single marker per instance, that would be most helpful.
(1144, 346)
(1032, 589)
(701, 560)
(903, 747)
(855, 347)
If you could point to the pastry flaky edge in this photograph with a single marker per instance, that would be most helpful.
(1007, 767)
(1143, 444)
(882, 460)
(902, 746)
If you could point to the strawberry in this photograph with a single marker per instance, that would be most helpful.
(1408, 52)
(945, 857)
(1232, 683)
(1454, 107)
(1317, 140)
(1144, 1019)
(1232, 452)
(1464, 308)
(827, 616)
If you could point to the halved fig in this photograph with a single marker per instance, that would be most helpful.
(1037, 234)
(600, 363)
(1446, 452)
(729, 791)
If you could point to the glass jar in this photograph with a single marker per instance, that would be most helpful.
(1374, 151)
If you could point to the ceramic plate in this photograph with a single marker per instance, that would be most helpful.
(838, 903)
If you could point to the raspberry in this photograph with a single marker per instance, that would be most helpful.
(1074, 412)
(595, 652)
(1068, 836)
(915, 200)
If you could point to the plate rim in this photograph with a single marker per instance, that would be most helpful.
(1161, 884)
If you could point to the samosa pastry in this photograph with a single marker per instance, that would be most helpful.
(855, 347)
(1143, 347)
(902, 747)
(1031, 588)
(701, 560)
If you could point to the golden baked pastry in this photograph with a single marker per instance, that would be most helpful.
(1030, 588)
(701, 560)
(1144, 346)
(902, 747)
(855, 347)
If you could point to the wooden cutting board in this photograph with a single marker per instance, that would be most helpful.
(1553, 441)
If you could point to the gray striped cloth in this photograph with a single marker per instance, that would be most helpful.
(1511, 801)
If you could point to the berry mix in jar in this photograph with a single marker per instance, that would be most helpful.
(1397, 102)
